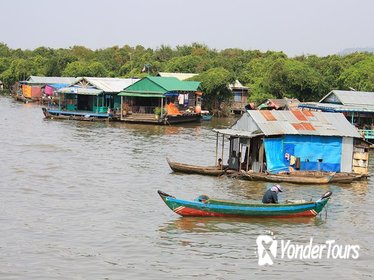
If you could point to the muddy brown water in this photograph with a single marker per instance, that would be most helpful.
(79, 201)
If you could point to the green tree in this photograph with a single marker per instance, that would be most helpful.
(96, 69)
(76, 69)
(185, 64)
(214, 83)
(359, 76)
(294, 79)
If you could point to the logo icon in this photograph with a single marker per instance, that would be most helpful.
(266, 249)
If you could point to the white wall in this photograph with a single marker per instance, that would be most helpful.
(347, 155)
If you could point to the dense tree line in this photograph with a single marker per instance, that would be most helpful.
(267, 74)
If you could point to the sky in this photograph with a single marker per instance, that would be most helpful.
(296, 27)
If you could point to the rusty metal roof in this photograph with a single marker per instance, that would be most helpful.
(296, 123)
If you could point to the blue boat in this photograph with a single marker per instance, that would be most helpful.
(203, 206)
(206, 116)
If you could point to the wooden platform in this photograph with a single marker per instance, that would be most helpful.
(150, 118)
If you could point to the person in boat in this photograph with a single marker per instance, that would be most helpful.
(271, 195)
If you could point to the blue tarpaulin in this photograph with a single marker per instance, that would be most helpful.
(58, 86)
(274, 155)
(315, 152)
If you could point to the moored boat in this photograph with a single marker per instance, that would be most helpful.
(288, 177)
(339, 177)
(206, 116)
(195, 169)
(205, 206)
(80, 116)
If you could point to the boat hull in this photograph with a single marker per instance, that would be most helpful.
(79, 116)
(288, 178)
(206, 117)
(339, 177)
(195, 169)
(216, 208)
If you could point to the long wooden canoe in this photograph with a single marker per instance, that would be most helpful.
(288, 178)
(195, 169)
(339, 177)
(205, 206)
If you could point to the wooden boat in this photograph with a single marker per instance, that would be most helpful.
(195, 169)
(205, 206)
(78, 116)
(288, 177)
(339, 177)
(206, 116)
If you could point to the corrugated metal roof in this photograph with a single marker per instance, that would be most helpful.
(110, 85)
(237, 85)
(236, 133)
(330, 107)
(50, 80)
(161, 85)
(286, 122)
(289, 103)
(346, 97)
(80, 91)
(180, 76)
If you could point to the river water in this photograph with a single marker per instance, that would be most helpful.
(79, 201)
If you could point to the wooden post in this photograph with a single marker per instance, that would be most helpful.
(217, 150)
(261, 156)
(248, 148)
(223, 146)
(97, 104)
(162, 107)
(121, 108)
(239, 153)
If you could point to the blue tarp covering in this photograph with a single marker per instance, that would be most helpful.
(306, 147)
(58, 86)
(274, 155)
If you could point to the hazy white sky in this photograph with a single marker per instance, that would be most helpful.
(296, 27)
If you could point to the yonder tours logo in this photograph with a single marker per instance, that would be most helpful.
(269, 249)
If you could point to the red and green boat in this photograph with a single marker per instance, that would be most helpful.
(208, 207)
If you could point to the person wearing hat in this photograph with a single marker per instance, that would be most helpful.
(271, 195)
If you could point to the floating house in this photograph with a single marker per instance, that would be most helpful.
(276, 141)
(240, 97)
(357, 106)
(161, 100)
(280, 104)
(33, 89)
(90, 98)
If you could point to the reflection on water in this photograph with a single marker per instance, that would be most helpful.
(209, 224)
(79, 201)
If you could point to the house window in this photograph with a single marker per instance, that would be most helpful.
(237, 97)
